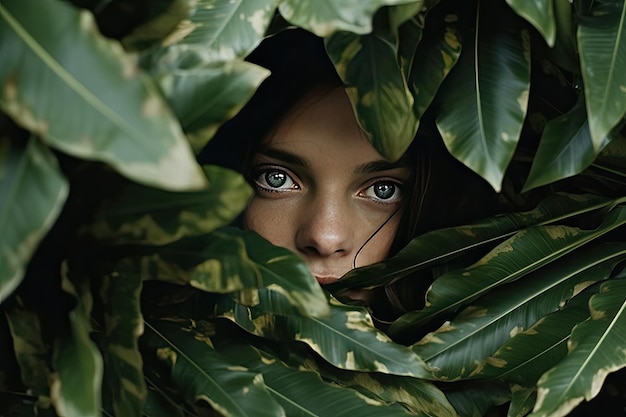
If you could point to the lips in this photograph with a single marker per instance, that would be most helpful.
(323, 280)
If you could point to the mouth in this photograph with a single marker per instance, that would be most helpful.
(323, 280)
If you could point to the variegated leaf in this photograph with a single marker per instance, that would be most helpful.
(540, 14)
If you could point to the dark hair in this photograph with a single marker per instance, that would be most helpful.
(441, 191)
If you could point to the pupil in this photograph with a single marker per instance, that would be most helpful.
(276, 179)
(384, 191)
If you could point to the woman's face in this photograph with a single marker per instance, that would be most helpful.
(323, 191)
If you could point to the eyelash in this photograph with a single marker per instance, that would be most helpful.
(260, 172)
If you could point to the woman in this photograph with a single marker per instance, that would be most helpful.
(321, 189)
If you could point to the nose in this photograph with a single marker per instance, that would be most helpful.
(326, 228)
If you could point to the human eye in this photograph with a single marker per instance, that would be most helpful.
(384, 191)
(274, 180)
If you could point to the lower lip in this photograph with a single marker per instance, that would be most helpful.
(325, 280)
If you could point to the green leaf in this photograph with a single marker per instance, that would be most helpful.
(602, 47)
(435, 56)
(540, 13)
(75, 389)
(140, 214)
(401, 13)
(229, 260)
(565, 148)
(230, 28)
(122, 325)
(33, 191)
(206, 95)
(443, 245)
(481, 126)
(522, 401)
(325, 17)
(203, 374)
(514, 258)
(377, 89)
(458, 349)
(299, 389)
(346, 338)
(596, 348)
(527, 355)
(111, 112)
(477, 399)
(31, 352)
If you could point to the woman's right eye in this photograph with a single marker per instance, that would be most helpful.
(275, 180)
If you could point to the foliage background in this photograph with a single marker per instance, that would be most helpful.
(124, 292)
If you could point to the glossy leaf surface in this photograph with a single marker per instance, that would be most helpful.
(540, 14)
(521, 254)
(380, 95)
(324, 17)
(32, 192)
(481, 127)
(114, 113)
(602, 47)
(596, 348)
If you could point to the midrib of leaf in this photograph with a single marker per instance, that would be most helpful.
(508, 311)
(290, 401)
(595, 349)
(224, 22)
(479, 106)
(215, 384)
(534, 357)
(65, 76)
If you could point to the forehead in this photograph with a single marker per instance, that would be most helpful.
(323, 125)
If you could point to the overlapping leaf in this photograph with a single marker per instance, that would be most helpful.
(565, 148)
(481, 127)
(111, 112)
(202, 374)
(32, 191)
(346, 338)
(325, 17)
(122, 325)
(445, 244)
(458, 347)
(142, 214)
(75, 388)
(540, 14)
(596, 348)
(229, 260)
(379, 92)
(602, 47)
(521, 254)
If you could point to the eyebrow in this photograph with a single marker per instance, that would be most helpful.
(366, 168)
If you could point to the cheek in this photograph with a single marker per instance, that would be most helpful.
(377, 249)
(271, 222)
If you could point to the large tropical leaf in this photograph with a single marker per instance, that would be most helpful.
(457, 349)
(596, 348)
(121, 325)
(111, 112)
(565, 149)
(202, 374)
(325, 17)
(435, 55)
(140, 214)
(299, 389)
(481, 126)
(443, 245)
(602, 45)
(540, 14)
(346, 338)
(75, 388)
(525, 357)
(32, 191)
(378, 90)
(514, 258)
(206, 95)
(229, 260)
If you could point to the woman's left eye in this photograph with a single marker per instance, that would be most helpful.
(384, 191)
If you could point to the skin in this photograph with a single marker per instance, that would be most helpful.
(323, 191)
